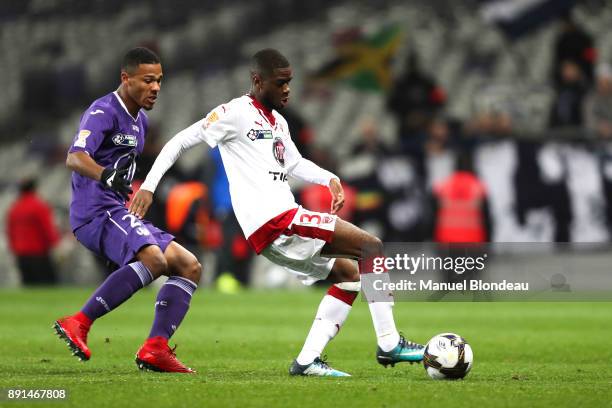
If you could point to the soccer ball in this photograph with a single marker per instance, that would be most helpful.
(447, 357)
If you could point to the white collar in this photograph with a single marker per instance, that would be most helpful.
(135, 119)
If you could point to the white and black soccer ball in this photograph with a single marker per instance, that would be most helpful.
(447, 357)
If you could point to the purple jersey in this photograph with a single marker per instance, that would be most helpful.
(113, 138)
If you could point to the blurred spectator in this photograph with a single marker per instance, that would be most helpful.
(370, 207)
(460, 218)
(439, 152)
(403, 183)
(370, 143)
(489, 124)
(566, 110)
(414, 100)
(573, 44)
(389, 184)
(461, 214)
(32, 235)
(438, 134)
(598, 105)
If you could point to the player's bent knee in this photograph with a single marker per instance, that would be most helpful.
(352, 277)
(156, 263)
(344, 270)
(195, 271)
(350, 274)
(375, 244)
(190, 269)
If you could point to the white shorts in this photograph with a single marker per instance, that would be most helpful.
(298, 250)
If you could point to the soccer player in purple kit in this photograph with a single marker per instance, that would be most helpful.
(102, 159)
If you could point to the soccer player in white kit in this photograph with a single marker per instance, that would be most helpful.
(259, 156)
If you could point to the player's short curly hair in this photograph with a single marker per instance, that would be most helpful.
(136, 56)
(267, 60)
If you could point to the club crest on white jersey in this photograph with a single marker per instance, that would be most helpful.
(278, 149)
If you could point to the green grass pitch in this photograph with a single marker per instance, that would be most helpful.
(525, 354)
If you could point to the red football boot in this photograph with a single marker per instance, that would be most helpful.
(74, 333)
(156, 355)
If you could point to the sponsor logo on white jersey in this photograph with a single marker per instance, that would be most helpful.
(258, 134)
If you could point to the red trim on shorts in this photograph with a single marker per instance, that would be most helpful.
(267, 233)
(345, 296)
(310, 232)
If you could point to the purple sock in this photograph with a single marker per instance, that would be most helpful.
(171, 306)
(116, 289)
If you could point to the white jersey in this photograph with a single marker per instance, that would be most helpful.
(258, 155)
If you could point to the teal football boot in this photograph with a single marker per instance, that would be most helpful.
(317, 368)
(405, 351)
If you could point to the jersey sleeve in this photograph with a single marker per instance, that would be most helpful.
(220, 125)
(95, 124)
(217, 127)
(302, 168)
(170, 153)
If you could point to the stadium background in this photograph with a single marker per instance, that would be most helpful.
(488, 71)
(487, 78)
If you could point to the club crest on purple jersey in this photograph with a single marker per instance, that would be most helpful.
(278, 149)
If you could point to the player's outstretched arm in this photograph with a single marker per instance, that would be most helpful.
(181, 142)
(83, 164)
(305, 170)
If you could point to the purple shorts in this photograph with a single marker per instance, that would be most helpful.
(118, 235)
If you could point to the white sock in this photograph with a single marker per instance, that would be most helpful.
(382, 317)
(331, 315)
(384, 325)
